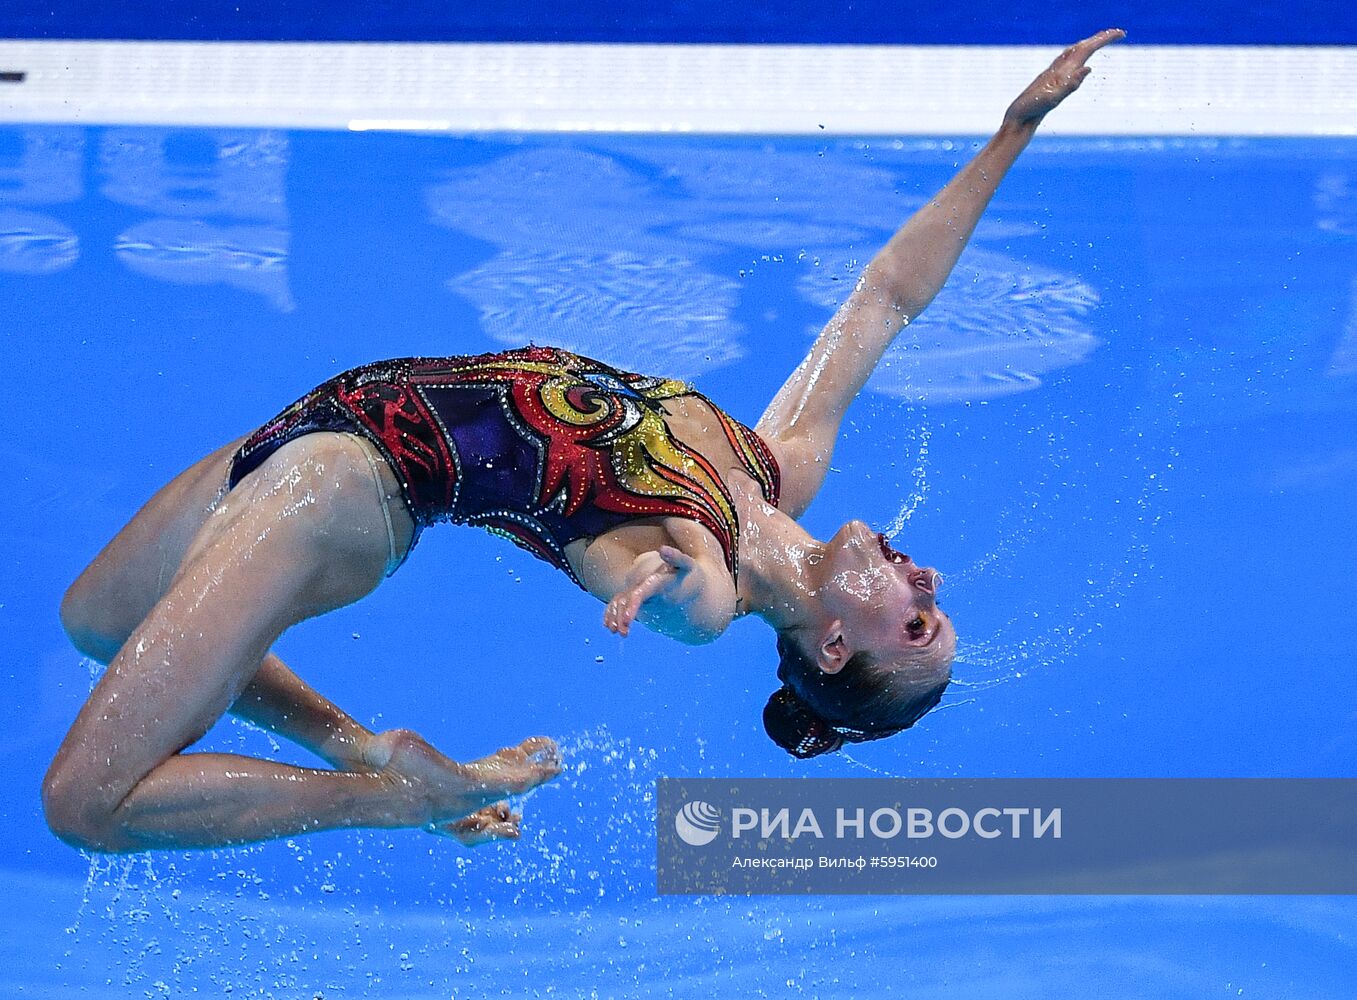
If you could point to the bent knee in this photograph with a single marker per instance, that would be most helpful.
(79, 815)
(90, 632)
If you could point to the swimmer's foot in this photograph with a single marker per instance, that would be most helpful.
(494, 822)
(440, 790)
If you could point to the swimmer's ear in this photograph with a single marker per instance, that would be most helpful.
(795, 727)
(833, 653)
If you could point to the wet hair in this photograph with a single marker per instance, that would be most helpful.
(815, 712)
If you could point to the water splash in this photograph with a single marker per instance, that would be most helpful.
(919, 485)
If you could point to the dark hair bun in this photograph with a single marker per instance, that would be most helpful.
(794, 726)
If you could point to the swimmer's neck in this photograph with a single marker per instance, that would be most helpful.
(779, 563)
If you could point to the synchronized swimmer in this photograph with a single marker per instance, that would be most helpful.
(643, 491)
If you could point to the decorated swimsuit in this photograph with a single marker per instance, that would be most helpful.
(539, 445)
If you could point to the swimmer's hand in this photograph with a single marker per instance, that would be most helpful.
(1059, 81)
(688, 602)
(494, 822)
(666, 571)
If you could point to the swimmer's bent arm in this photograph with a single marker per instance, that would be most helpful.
(686, 598)
(802, 422)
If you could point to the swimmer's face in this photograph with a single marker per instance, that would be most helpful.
(885, 603)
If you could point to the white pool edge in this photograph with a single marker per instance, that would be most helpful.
(797, 90)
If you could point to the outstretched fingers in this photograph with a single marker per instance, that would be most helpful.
(1079, 53)
(1058, 80)
(622, 610)
(490, 823)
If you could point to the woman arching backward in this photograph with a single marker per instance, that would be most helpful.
(639, 488)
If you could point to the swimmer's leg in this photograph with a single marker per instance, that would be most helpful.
(118, 589)
(281, 702)
(277, 700)
(129, 575)
(128, 578)
(304, 540)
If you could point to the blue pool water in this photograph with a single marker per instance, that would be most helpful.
(1126, 432)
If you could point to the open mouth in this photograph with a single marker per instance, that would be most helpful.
(891, 554)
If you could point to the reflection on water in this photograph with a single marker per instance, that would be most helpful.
(34, 244)
(208, 183)
(216, 197)
(591, 247)
(1335, 201)
(189, 252)
(597, 249)
(590, 258)
(197, 173)
(1344, 359)
(595, 303)
(39, 167)
(42, 166)
(995, 329)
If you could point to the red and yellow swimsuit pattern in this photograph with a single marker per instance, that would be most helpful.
(537, 444)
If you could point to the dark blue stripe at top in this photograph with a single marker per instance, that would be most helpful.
(1210, 22)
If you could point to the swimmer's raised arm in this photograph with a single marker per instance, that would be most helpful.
(802, 422)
